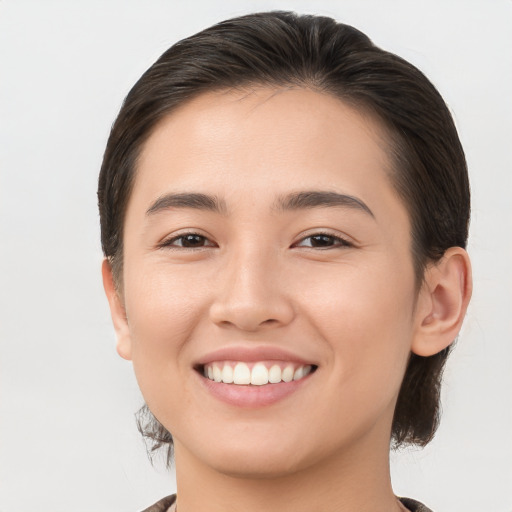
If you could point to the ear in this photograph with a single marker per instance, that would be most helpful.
(442, 302)
(117, 311)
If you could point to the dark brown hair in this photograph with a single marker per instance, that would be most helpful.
(285, 49)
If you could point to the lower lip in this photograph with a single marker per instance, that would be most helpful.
(252, 396)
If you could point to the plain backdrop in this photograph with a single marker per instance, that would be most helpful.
(68, 440)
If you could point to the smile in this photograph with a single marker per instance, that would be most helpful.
(257, 373)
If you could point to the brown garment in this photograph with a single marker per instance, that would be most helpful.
(413, 505)
(163, 505)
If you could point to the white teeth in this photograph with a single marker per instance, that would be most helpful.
(274, 374)
(217, 373)
(242, 374)
(260, 375)
(227, 374)
(287, 375)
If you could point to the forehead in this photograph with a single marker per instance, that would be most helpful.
(252, 146)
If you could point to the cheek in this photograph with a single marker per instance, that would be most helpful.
(366, 318)
(162, 318)
(163, 309)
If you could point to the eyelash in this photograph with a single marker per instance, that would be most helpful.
(339, 241)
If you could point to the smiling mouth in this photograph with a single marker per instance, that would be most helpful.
(255, 374)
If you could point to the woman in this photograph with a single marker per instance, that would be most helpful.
(284, 211)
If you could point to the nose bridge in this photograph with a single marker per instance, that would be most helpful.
(251, 292)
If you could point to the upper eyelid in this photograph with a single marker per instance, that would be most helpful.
(326, 232)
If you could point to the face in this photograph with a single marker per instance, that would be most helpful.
(265, 244)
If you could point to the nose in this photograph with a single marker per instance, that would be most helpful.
(251, 294)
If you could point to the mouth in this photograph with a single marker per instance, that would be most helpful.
(253, 376)
(256, 373)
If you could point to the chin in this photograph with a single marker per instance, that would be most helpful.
(257, 457)
(259, 467)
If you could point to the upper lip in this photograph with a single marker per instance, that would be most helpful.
(251, 354)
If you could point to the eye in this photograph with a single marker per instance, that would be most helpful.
(323, 241)
(187, 241)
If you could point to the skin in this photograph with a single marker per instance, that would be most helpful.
(257, 279)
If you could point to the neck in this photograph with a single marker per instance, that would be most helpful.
(344, 482)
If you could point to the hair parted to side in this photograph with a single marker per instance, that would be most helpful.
(280, 49)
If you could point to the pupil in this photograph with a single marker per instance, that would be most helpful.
(193, 240)
(322, 240)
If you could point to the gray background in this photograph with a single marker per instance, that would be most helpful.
(67, 436)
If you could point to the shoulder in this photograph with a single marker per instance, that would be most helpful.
(161, 505)
(413, 505)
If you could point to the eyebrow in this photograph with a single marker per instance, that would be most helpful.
(320, 199)
(188, 200)
(301, 200)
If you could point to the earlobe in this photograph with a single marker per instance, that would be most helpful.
(117, 311)
(442, 302)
